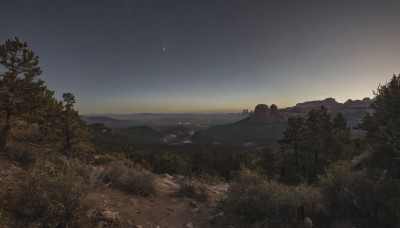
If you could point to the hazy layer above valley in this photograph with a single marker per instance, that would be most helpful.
(353, 110)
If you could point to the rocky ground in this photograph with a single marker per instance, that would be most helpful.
(107, 206)
(167, 208)
(111, 207)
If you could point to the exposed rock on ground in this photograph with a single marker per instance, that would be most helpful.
(111, 207)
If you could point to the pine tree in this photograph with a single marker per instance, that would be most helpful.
(340, 138)
(317, 141)
(20, 90)
(45, 119)
(383, 127)
(319, 128)
(77, 138)
(293, 135)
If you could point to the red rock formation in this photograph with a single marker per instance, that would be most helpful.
(273, 112)
(262, 114)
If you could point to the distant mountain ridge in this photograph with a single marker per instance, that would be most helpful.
(331, 104)
(352, 110)
(262, 127)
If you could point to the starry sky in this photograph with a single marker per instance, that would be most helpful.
(172, 56)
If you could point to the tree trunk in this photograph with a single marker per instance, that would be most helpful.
(6, 134)
(68, 143)
(68, 134)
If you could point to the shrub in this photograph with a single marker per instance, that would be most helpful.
(369, 201)
(51, 195)
(4, 201)
(113, 171)
(253, 198)
(136, 182)
(101, 159)
(193, 189)
(130, 179)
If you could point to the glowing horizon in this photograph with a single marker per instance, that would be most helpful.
(212, 56)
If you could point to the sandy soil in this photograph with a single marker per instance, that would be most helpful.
(165, 209)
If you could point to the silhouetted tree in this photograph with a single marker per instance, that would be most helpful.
(318, 128)
(383, 126)
(46, 118)
(317, 141)
(340, 139)
(293, 134)
(77, 138)
(70, 115)
(20, 90)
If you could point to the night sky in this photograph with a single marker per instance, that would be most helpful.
(131, 56)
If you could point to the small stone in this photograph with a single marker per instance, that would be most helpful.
(101, 224)
(109, 216)
(308, 223)
(193, 203)
(189, 225)
(167, 176)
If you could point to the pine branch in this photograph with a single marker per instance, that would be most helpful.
(32, 144)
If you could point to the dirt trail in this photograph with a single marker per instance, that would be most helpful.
(165, 209)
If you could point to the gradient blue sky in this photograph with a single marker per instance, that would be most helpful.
(130, 56)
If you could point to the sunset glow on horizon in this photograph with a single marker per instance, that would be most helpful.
(207, 56)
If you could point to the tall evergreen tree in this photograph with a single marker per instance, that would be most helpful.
(293, 135)
(383, 126)
(70, 115)
(319, 127)
(340, 138)
(317, 141)
(77, 138)
(20, 90)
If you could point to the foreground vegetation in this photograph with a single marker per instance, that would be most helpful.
(52, 145)
(326, 187)
(318, 175)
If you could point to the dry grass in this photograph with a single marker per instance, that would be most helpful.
(253, 198)
(369, 201)
(129, 179)
(193, 189)
(51, 195)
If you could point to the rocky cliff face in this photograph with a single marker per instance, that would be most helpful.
(262, 114)
(331, 104)
(353, 110)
